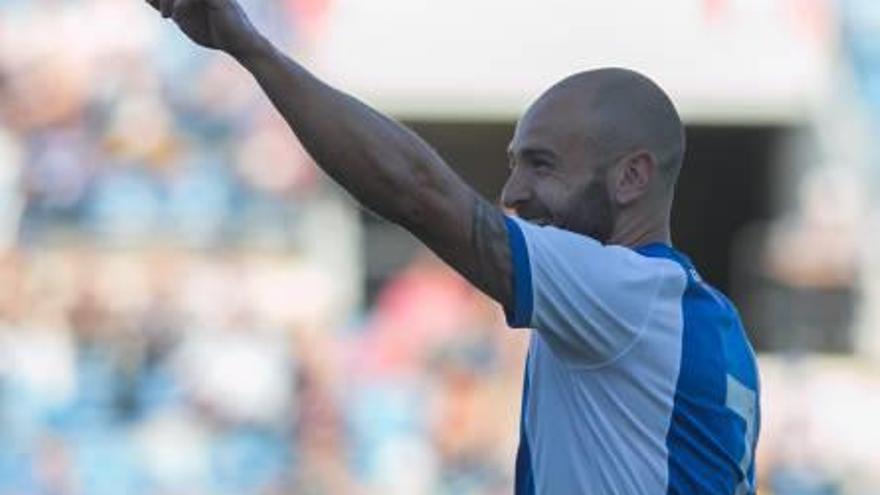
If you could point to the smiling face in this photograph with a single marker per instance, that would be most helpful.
(558, 176)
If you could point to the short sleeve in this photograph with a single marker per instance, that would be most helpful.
(589, 302)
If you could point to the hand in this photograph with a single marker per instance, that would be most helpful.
(217, 24)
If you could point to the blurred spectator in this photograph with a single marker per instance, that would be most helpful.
(112, 382)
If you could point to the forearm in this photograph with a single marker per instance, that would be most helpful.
(389, 170)
(382, 164)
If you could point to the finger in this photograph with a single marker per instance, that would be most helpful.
(167, 8)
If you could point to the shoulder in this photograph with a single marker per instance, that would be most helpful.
(579, 252)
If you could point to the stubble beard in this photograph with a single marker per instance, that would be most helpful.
(594, 214)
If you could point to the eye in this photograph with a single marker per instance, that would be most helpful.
(541, 165)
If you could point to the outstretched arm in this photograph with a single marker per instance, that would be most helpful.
(384, 165)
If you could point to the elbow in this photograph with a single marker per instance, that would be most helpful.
(417, 187)
(422, 201)
(411, 212)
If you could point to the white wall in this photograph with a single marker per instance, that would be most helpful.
(722, 60)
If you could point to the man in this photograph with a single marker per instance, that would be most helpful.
(639, 378)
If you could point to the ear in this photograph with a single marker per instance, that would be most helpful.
(634, 175)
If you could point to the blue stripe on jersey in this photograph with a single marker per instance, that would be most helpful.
(710, 441)
(520, 315)
(525, 479)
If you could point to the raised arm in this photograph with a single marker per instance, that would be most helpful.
(384, 165)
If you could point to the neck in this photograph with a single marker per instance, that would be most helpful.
(639, 229)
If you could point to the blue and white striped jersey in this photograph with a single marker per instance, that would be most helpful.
(639, 377)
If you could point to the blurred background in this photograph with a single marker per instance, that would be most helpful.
(187, 306)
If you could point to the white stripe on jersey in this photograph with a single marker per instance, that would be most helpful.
(614, 370)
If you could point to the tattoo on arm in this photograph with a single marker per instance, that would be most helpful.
(492, 265)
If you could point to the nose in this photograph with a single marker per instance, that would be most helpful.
(516, 191)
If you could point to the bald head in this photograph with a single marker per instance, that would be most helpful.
(616, 111)
(598, 153)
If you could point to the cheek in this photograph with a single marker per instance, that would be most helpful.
(556, 197)
(562, 194)
(548, 192)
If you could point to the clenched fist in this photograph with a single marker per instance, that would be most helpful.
(217, 24)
